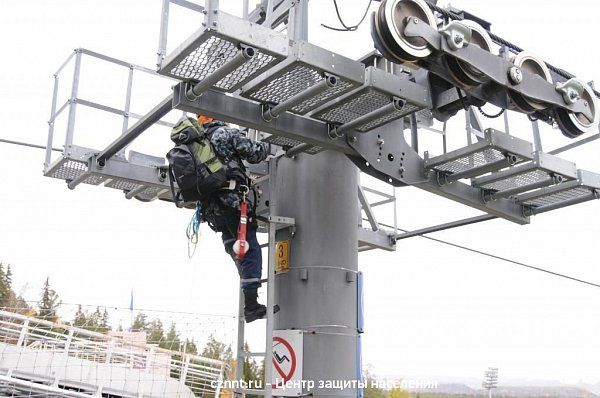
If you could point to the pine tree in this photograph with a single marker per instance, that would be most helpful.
(172, 341)
(9, 277)
(80, 319)
(4, 287)
(8, 298)
(49, 303)
(251, 371)
(216, 350)
(140, 323)
(103, 323)
(94, 320)
(190, 347)
(157, 333)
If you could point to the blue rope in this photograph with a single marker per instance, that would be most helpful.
(193, 229)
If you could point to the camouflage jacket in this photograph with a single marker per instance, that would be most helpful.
(232, 147)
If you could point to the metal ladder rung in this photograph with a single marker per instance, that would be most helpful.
(265, 280)
(255, 354)
(249, 391)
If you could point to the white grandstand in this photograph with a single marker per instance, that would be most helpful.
(39, 358)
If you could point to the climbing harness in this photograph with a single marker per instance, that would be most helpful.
(193, 229)
(240, 247)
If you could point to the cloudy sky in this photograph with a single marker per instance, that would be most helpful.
(431, 310)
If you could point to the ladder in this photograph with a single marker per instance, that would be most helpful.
(273, 223)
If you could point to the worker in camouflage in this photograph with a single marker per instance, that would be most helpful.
(222, 209)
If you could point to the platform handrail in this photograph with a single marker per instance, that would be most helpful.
(197, 372)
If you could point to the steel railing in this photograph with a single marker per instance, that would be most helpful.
(201, 375)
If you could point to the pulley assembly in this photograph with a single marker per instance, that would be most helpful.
(410, 33)
(467, 33)
(388, 26)
(576, 124)
(525, 60)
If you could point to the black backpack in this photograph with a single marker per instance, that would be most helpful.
(193, 163)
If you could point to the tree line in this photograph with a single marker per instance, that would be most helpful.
(49, 303)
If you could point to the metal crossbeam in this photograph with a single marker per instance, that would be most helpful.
(245, 113)
(159, 111)
(443, 227)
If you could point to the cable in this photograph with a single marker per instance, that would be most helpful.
(347, 28)
(512, 261)
(140, 309)
(508, 260)
(495, 116)
(28, 144)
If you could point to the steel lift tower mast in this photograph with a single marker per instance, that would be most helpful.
(319, 293)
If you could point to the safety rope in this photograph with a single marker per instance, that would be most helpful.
(240, 247)
(193, 230)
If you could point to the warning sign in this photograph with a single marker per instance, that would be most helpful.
(287, 363)
(283, 256)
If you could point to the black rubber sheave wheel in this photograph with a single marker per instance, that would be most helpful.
(573, 125)
(388, 27)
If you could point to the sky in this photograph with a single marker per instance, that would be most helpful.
(431, 310)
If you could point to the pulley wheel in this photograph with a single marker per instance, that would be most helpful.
(462, 71)
(533, 64)
(572, 124)
(389, 25)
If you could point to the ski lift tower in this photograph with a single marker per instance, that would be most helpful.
(329, 116)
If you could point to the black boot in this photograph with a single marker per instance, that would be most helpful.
(252, 309)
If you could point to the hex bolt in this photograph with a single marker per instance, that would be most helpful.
(353, 139)
(458, 39)
(380, 141)
(515, 75)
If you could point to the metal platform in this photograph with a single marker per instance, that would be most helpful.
(285, 142)
(378, 91)
(215, 45)
(306, 66)
(145, 182)
(495, 152)
(544, 170)
(585, 188)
